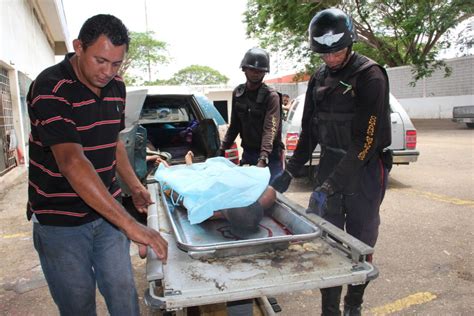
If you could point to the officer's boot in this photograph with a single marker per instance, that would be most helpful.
(330, 300)
(353, 300)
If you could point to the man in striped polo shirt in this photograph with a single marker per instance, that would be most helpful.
(81, 231)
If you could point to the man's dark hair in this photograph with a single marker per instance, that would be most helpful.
(104, 24)
(285, 95)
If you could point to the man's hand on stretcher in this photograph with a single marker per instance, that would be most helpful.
(143, 235)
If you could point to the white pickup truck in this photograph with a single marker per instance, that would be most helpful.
(206, 263)
(464, 114)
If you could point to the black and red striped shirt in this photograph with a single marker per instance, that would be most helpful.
(63, 110)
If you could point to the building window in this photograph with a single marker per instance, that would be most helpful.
(8, 141)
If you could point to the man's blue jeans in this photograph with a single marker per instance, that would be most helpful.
(75, 258)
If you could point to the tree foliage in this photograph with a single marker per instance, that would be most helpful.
(197, 75)
(461, 40)
(392, 32)
(144, 53)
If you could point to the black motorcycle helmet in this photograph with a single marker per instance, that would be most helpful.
(256, 58)
(331, 30)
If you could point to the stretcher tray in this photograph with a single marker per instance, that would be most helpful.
(280, 226)
(334, 258)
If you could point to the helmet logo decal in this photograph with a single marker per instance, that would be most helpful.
(328, 39)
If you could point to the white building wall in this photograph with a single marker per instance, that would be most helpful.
(31, 32)
(23, 46)
(460, 82)
(434, 107)
(434, 97)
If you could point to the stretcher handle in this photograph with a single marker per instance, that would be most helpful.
(154, 266)
(355, 248)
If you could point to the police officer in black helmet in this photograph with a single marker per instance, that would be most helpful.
(256, 116)
(347, 112)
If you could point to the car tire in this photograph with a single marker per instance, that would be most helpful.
(470, 125)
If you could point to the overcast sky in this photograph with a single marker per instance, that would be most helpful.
(205, 32)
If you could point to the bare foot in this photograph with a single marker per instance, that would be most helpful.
(189, 158)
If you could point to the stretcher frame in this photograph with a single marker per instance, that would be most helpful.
(332, 258)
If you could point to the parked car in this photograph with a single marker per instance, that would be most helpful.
(172, 124)
(403, 145)
(464, 114)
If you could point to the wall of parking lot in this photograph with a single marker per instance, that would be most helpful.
(434, 97)
(430, 98)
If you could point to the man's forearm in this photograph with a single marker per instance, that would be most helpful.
(85, 181)
(271, 125)
(269, 134)
(229, 137)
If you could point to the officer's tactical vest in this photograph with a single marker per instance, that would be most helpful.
(335, 104)
(335, 107)
(252, 116)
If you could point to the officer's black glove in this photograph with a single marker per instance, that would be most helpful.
(321, 198)
(317, 202)
(282, 181)
(220, 152)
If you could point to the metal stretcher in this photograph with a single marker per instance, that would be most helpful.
(207, 265)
